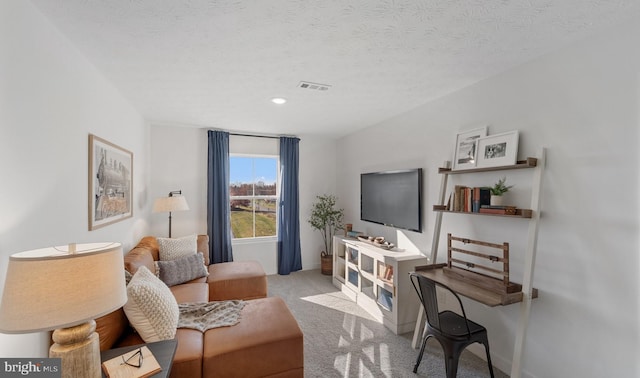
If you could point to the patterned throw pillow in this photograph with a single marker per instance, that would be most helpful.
(151, 308)
(184, 269)
(171, 249)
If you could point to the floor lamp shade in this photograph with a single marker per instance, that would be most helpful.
(61, 287)
(170, 204)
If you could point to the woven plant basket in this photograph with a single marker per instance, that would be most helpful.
(326, 264)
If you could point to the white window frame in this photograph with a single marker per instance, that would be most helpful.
(276, 198)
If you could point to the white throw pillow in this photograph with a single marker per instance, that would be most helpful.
(171, 249)
(151, 307)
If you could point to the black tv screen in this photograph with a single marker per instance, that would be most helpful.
(392, 198)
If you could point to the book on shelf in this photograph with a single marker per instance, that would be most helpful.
(502, 210)
(468, 199)
(385, 272)
(481, 196)
(130, 365)
(389, 273)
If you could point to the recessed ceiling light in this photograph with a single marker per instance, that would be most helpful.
(278, 100)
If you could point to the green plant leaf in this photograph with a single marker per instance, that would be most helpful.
(326, 218)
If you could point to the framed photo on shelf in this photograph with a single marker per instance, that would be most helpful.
(110, 183)
(498, 150)
(466, 148)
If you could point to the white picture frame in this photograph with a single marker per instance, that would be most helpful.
(498, 150)
(465, 152)
(110, 183)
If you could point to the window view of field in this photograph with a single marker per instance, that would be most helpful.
(253, 196)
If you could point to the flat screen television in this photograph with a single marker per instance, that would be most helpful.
(392, 198)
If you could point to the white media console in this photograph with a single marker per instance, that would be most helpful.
(378, 281)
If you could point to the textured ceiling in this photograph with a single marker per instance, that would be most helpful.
(216, 63)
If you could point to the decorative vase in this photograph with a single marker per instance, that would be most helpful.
(326, 264)
(496, 200)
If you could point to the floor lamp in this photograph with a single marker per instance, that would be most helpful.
(171, 203)
(65, 288)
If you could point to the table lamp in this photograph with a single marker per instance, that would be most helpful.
(65, 288)
(170, 203)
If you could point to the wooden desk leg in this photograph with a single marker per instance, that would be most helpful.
(417, 333)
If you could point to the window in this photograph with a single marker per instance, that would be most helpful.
(254, 195)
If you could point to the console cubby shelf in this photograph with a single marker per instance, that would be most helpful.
(378, 281)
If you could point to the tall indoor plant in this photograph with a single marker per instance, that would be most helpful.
(326, 218)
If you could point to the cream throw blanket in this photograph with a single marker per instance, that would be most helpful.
(206, 315)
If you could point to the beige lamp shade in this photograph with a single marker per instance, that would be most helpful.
(56, 287)
(169, 204)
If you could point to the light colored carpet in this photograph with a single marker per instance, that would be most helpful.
(343, 340)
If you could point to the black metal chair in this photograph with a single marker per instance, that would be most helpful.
(454, 332)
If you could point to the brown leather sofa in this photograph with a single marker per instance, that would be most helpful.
(267, 342)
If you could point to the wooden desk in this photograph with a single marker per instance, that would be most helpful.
(163, 351)
(476, 293)
(471, 291)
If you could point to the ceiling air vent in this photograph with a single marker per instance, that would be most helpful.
(313, 86)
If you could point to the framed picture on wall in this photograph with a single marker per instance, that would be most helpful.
(466, 148)
(498, 150)
(110, 183)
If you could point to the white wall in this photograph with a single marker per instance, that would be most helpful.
(581, 103)
(179, 161)
(51, 99)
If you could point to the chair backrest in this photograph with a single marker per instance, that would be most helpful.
(426, 290)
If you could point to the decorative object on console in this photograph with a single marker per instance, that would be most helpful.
(65, 288)
(378, 241)
(498, 190)
(354, 234)
(110, 183)
(171, 203)
(466, 150)
(498, 150)
(327, 219)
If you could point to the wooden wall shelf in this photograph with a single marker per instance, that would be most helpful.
(520, 213)
(530, 162)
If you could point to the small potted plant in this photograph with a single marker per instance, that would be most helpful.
(497, 190)
(326, 218)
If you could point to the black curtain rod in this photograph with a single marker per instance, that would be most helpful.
(259, 136)
(255, 136)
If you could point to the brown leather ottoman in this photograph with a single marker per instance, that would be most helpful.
(266, 343)
(237, 280)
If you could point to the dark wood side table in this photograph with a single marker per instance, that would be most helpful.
(163, 351)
